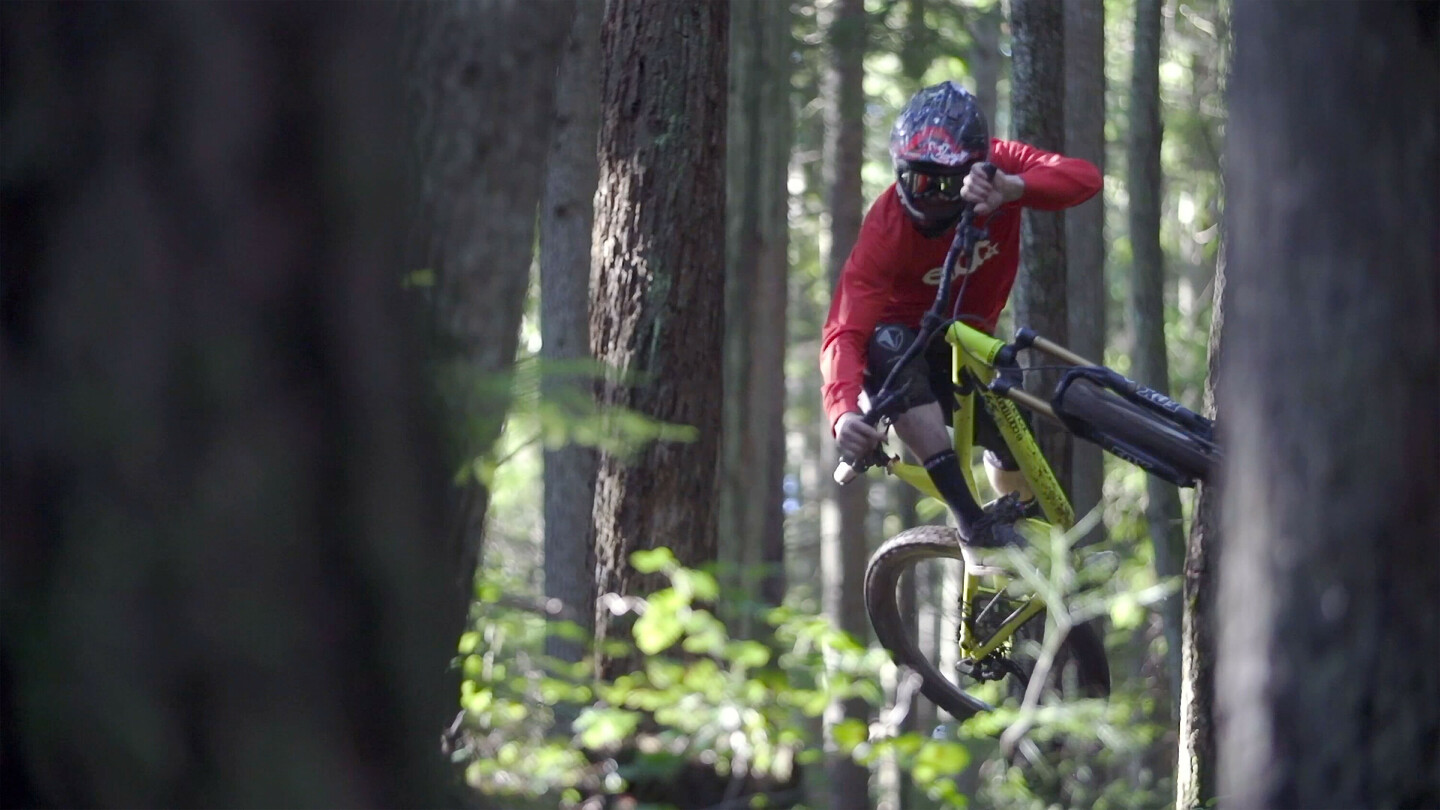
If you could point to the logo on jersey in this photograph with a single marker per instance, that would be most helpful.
(984, 252)
(890, 338)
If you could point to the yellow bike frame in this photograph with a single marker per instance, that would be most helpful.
(974, 351)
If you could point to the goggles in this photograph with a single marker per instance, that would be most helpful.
(922, 186)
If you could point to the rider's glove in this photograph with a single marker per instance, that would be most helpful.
(855, 438)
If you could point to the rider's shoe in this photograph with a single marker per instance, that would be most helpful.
(984, 546)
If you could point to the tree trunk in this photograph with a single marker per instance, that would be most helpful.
(1329, 632)
(1038, 109)
(1195, 782)
(567, 216)
(223, 576)
(482, 88)
(986, 62)
(658, 284)
(905, 499)
(843, 542)
(1147, 305)
(752, 541)
(1085, 223)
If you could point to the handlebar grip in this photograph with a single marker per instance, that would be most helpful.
(847, 469)
(989, 169)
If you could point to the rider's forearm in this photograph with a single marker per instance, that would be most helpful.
(1013, 187)
(1058, 183)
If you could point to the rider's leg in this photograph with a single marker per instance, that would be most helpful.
(922, 423)
(1001, 468)
(922, 429)
(1005, 480)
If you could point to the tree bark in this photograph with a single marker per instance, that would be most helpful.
(482, 89)
(658, 284)
(1085, 223)
(567, 217)
(1326, 682)
(1038, 110)
(986, 63)
(752, 541)
(1195, 782)
(223, 576)
(1147, 305)
(844, 544)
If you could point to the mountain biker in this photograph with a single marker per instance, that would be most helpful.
(940, 146)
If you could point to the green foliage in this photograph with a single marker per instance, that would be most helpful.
(743, 706)
(542, 733)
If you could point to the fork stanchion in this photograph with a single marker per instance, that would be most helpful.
(1027, 338)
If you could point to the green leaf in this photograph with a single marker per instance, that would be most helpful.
(695, 584)
(940, 758)
(849, 733)
(704, 633)
(650, 561)
(605, 727)
(746, 654)
(663, 673)
(1126, 612)
(659, 627)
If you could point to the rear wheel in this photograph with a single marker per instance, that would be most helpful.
(1080, 669)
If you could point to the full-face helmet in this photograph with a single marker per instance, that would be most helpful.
(936, 140)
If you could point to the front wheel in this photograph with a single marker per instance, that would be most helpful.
(1081, 669)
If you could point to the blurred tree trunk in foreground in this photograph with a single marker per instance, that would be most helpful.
(1037, 102)
(481, 86)
(567, 217)
(1147, 305)
(224, 573)
(1330, 390)
(1085, 223)
(751, 517)
(658, 286)
(843, 543)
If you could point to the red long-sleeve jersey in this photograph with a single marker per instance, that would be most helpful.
(891, 274)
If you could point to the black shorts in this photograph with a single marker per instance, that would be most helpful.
(926, 379)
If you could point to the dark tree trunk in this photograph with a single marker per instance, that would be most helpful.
(844, 542)
(658, 283)
(1147, 304)
(1085, 223)
(1195, 782)
(567, 217)
(1038, 110)
(1330, 390)
(482, 88)
(752, 541)
(224, 577)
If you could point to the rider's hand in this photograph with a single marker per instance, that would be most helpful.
(855, 438)
(988, 194)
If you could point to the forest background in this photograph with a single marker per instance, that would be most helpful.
(418, 404)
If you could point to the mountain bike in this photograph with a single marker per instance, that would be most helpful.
(994, 623)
